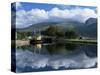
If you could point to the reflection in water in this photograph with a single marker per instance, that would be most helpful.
(50, 48)
(41, 57)
(38, 46)
(61, 48)
(71, 47)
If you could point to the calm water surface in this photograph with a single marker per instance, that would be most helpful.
(46, 57)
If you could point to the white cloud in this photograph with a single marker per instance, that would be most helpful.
(37, 15)
(26, 18)
(18, 5)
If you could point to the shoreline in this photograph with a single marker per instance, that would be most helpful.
(85, 41)
(22, 42)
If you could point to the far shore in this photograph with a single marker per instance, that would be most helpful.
(82, 41)
(22, 42)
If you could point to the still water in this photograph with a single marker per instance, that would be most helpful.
(46, 57)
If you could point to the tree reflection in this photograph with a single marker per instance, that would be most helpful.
(61, 48)
(71, 46)
(51, 48)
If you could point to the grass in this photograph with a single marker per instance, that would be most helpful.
(88, 41)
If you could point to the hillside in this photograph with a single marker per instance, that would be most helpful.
(87, 29)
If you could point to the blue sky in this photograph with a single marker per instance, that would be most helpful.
(28, 6)
(32, 13)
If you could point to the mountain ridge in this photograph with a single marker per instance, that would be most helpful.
(89, 28)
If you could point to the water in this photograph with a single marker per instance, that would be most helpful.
(46, 57)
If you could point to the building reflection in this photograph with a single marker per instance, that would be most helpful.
(39, 46)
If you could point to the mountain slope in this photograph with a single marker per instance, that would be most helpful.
(87, 29)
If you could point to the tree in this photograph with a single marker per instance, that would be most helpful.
(23, 35)
(51, 31)
(56, 31)
(71, 33)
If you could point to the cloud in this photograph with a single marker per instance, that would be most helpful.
(18, 5)
(36, 61)
(26, 18)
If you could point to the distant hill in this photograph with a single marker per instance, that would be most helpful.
(91, 21)
(40, 26)
(44, 25)
(88, 29)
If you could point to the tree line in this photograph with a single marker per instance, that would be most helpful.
(55, 31)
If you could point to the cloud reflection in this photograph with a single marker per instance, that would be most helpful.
(36, 61)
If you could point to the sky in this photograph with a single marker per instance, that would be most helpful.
(32, 13)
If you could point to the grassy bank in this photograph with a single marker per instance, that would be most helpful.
(86, 41)
(82, 41)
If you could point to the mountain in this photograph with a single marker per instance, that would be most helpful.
(92, 26)
(87, 29)
(91, 21)
(44, 25)
(40, 26)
